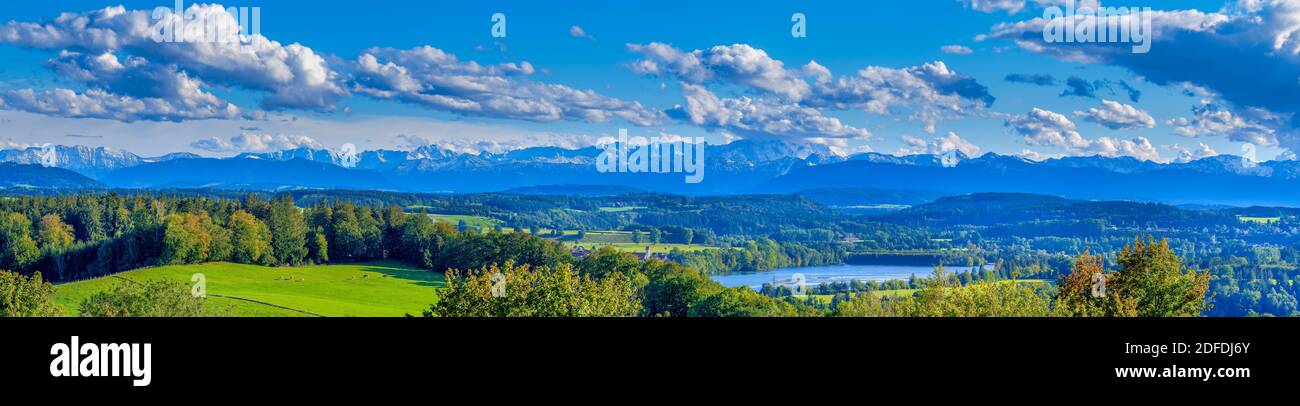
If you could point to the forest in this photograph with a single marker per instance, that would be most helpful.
(1249, 267)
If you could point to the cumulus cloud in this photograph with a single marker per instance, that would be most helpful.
(931, 92)
(1185, 155)
(1045, 128)
(432, 78)
(1032, 79)
(938, 146)
(253, 142)
(928, 93)
(1118, 116)
(739, 63)
(125, 90)
(292, 76)
(956, 50)
(759, 118)
(1209, 119)
(1247, 53)
(96, 103)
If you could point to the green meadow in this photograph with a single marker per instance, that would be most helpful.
(620, 209)
(1260, 220)
(826, 299)
(366, 289)
(478, 222)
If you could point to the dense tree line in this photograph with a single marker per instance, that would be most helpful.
(758, 255)
(70, 237)
(159, 230)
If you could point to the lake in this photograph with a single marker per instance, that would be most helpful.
(816, 275)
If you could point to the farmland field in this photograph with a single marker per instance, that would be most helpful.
(478, 222)
(1260, 220)
(620, 209)
(366, 289)
(607, 236)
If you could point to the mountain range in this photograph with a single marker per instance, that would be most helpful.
(741, 167)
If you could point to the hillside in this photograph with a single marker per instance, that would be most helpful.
(575, 190)
(986, 209)
(1094, 178)
(22, 176)
(368, 289)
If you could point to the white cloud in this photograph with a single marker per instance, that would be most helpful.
(293, 76)
(1014, 6)
(760, 117)
(365, 131)
(738, 63)
(578, 32)
(127, 90)
(991, 6)
(938, 146)
(1046, 128)
(1210, 120)
(1037, 156)
(1118, 116)
(1245, 54)
(928, 93)
(435, 79)
(252, 142)
(95, 103)
(956, 50)
(1191, 154)
(819, 73)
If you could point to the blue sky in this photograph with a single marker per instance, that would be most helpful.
(550, 100)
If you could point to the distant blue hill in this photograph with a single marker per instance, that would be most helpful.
(1092, 180)
(987, 209)
(575, 190)
(21, 176)
(841, 197)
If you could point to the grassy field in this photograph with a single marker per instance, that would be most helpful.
(620, 209)
(367, 289)
(1260, 220)
(607, 236)
(826, 299)
(479, 222)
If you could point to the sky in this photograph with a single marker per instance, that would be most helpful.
(930, 76)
